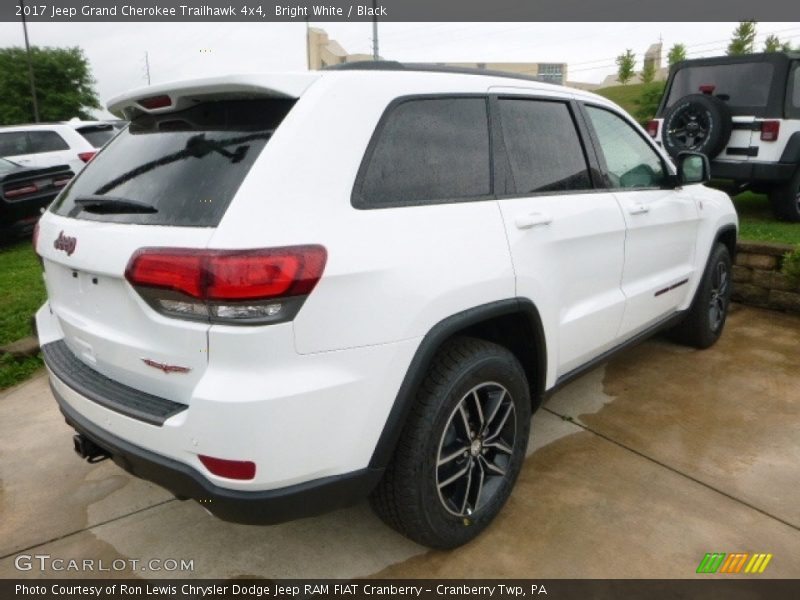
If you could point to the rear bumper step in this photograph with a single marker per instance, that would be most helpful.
(107, 392)
(251, 507)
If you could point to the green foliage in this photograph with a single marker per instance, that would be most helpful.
(21, 290)
(743, 39)
(791, 265)
(648, 101)
(626, 64)
(648, 72)
(13, 371)
(64, 85)
(757, 223)
(676, 54)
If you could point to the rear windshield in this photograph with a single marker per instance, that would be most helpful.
(184, 167)
(98, 135)
(741, 85)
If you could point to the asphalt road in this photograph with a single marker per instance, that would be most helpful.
(635, 470)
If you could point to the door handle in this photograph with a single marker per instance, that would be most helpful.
(639, 209)
(532, 220)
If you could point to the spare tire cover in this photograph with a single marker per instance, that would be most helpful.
(699, 123)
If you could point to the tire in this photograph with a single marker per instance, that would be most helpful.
(421, 494)
(699, 123)
(706, 319)
(785, 200)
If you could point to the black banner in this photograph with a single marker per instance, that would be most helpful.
(424, 589)
(398, 10)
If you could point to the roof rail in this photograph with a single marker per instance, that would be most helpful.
(393, 65)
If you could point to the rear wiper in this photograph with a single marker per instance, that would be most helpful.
(113, 204)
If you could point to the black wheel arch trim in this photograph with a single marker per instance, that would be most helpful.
(428, 347)
(723, 235)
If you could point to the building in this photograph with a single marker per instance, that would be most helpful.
(324, 52)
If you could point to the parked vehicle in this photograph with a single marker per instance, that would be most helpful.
(45, 145)
(743, 112)
(24, 192)
(278, 294)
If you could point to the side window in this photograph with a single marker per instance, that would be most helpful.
(428, 150)
(543, 146)
(13, 143)
(630, 160)
(46, 141)
(795, 86)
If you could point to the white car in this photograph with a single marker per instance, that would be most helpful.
(278, 294)
(48, 145)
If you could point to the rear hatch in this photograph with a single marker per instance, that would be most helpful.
(165, 181)
(752, 87)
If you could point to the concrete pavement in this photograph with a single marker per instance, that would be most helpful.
(635, 470)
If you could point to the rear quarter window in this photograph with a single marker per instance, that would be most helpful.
(427, 151)
(98, 136)
(187, 165)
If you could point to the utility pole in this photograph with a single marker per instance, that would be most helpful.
(147, 65)
(375, 51)
(30, 62)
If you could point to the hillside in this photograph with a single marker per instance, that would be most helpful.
(639, 99)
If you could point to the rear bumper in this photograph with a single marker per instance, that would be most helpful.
(753, 171)
(256, 507)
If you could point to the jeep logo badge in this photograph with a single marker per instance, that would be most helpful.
(65, 243)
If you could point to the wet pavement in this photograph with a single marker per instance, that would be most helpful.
(635, 470)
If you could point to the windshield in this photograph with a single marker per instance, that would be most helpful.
(741, 85)
(186, 165)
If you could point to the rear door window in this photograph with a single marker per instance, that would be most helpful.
(13, 143)
(543, 146)
(185, 165)
(428, 150)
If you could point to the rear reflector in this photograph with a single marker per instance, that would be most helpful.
(652, 128)
(21, 191)
(86, 156)
(252, 286)
(156, 102)
(770, 130)
(230, 469)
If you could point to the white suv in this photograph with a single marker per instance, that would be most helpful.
(281, 293)
(46, 145)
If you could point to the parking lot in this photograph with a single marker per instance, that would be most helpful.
(637, 469)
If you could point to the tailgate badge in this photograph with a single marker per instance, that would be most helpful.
(65, 243)
(164, 367)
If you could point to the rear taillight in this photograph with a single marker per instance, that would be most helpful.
(770, 130)
(21, 191)
(61, 182)
(652, 128)
(230, 469)
(230, 286)
(86, 156)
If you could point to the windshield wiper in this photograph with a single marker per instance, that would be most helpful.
(113, 204)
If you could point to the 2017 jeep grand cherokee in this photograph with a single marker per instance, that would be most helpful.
(283, 293)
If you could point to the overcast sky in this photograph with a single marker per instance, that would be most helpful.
(184, 50)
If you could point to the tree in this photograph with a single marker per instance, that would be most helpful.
(648, 101)
(743, 40)
(774, 44)
(626, 64)
(648, 72)
(64, 85)
(676, 54)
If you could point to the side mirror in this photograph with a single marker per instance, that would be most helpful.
(693, 167)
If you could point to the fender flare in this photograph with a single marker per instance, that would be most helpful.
(428, 347)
